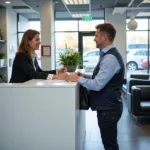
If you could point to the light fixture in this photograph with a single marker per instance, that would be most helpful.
(143, 14)
(76, 2)
(132, 24)
(79, 15)
(7, 2)
(146, 1)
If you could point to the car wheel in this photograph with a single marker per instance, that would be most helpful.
(132, 66)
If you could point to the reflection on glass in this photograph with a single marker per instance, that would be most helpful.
(137, 52)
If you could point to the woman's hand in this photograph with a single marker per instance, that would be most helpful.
(59, 76)
(62, 70)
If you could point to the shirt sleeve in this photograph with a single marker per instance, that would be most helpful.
(88, 76)
(109, 66)
(50, 77)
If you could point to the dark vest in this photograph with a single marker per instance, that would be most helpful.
(109, 97)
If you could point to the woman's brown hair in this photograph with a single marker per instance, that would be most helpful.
(24, 45)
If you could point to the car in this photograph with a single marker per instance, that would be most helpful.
(137, 46)
(145, 63)
(134, 59)
(90, 58)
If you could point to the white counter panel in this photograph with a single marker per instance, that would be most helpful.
(43, 116)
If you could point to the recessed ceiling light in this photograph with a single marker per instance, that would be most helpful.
(75, 2)
(7, 2)
(79, 15)
(143, 14)
(56, 2)
(146, 1)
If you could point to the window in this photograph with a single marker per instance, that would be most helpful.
(66, 25)
(137, 48)
(89, 25)
(35, 25)
(141, 53)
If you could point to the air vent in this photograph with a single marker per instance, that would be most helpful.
(20, 7)
(119, 10)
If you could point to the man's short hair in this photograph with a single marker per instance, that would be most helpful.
(108, 29)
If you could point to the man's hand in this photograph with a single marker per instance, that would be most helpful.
(79, 74)
(62, 70)
(59, 76)
(73, 78)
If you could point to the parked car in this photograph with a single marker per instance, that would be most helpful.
(138, 46)
(134, 59)
(145, 63)
(90, 58)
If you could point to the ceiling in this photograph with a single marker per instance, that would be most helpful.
(31, 9)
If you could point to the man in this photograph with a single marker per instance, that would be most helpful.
(105, 85)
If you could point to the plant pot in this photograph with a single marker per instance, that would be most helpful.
(1, 62)
(71, 68)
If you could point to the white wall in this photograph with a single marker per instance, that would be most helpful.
(119, 22)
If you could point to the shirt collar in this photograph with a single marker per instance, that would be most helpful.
(33, 55)
(106, 49)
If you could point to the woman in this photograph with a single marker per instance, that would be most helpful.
(25, 66)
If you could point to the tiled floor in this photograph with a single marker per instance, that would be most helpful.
(130, 135)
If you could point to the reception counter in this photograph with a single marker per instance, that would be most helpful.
(41, 115)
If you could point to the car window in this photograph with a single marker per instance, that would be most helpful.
(92, 53)
(141, 53)
(136, 46)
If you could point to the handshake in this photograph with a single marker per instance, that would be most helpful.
(63, 75)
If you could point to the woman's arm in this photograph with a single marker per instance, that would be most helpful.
(40, 70)
(22, 61)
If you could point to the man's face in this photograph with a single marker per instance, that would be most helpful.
(99, 39)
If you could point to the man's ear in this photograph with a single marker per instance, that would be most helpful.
(104, 37)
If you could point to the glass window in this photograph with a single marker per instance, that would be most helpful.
(137, 51)
(91, 54)
(35, 25)
(63, 39)
(23, 24)
(66, 25)
(89, 25)
(20, 35)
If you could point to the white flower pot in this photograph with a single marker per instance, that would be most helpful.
(2, 62)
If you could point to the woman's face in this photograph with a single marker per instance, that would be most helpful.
(35, 42)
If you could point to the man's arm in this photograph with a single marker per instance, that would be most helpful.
(109, 66)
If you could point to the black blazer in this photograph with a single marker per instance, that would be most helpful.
(23, 69)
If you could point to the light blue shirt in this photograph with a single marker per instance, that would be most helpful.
(109, 66)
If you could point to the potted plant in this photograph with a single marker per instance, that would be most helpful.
(2, 58)
(70, 59)
(1, 35)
